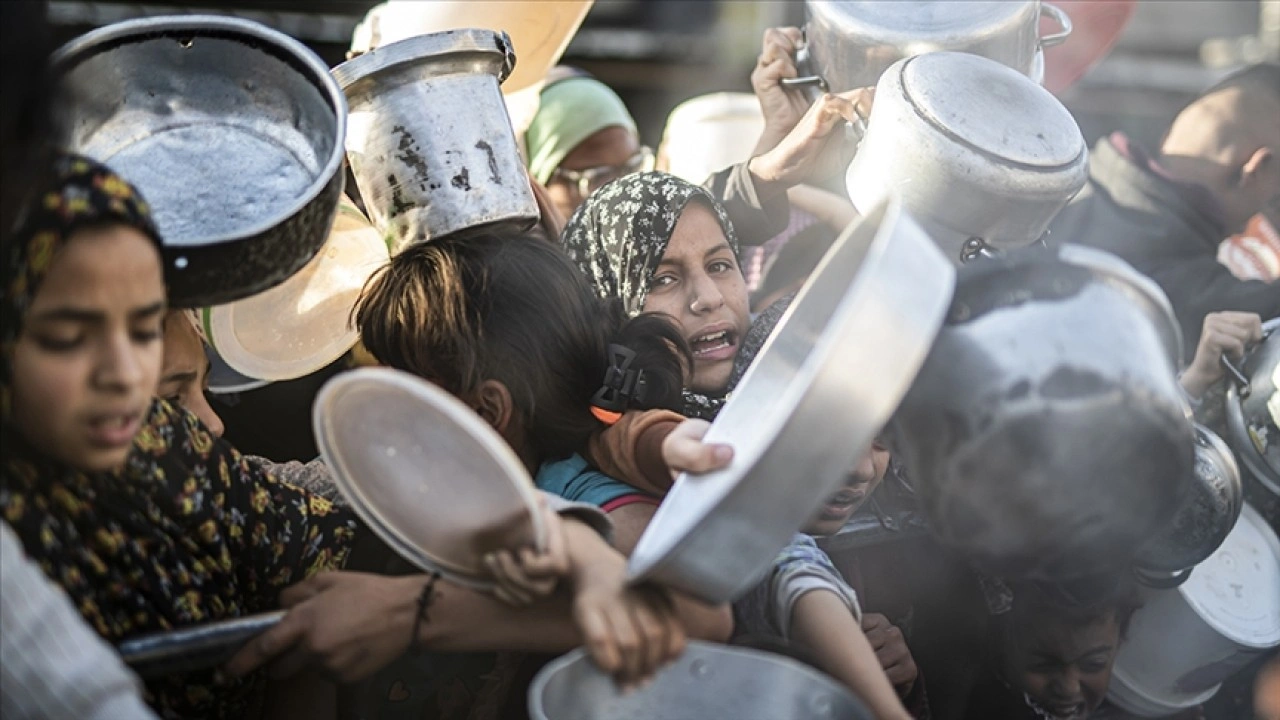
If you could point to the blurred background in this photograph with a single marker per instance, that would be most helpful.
(657, 53)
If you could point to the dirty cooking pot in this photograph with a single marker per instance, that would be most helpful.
(1046, 434)
(849, 44)
(1184, 642)
(1207, 513)
(1253, 411)
(429, 140)
(707, 681)
(232, 132)
(982, 156)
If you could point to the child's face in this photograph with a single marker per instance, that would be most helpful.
(1064, 667)
(185, 373)
(858, 486)
(87, 362)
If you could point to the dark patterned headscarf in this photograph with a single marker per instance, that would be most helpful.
(186, 531)
(619, 235)
(83, 193)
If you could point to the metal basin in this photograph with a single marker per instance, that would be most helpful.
(430, 143)
(821, 389)
(707, 681)
(231, 130)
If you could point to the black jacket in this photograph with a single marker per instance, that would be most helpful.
(1128, 210)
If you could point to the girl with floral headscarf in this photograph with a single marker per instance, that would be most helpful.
(143, 518)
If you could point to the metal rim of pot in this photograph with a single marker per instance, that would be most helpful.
(415, 49)
(192, 253)
(1240, 389)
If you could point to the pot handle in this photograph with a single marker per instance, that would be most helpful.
(1058, 15)
(1237, 376)
(814, 85)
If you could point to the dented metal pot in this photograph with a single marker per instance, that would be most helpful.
(1046, 434)
(429, 140)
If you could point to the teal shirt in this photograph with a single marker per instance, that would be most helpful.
(573, 479)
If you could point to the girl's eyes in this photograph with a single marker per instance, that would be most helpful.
(663, 281)
(58, 344)
(720, 266)
(143, 337)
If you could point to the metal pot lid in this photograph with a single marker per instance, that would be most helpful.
(1237, 589)
(432, 479)
(993, 109)
(940, 22)
(303, 324)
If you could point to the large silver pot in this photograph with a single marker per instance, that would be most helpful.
(820, 390)
(231, 130)
(1046, 434)
(429, 140)
(1203, 520)
(1253, 411)
(851, 43)
(707, 681)
(983, 157)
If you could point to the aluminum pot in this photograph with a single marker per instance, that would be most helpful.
(1183, 643)
(429, 140)
(1253, 411)
(707, 681)
(195, 647)
(850, 44)
(982, 156)
(232, 132)
(817, 394)
(1046, 434)
(1205, 517)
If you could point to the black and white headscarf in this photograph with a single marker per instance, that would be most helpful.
(619, 235)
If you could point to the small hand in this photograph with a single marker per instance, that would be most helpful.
(815, 149)
(1224, 333)
(781, 106)
(630, 632)
(526, 575)
(684, 451)
(891, 650)
(349, 624)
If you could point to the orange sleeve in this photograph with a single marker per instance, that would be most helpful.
(630, 450)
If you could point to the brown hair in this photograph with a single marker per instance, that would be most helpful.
(463, 309)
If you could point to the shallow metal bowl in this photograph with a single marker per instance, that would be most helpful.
(232, 132)
(707, 681)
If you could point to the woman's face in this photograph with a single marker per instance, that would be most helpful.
(88, 360)
(605, 154)
(858, 486)
(699, 284)
(1065, 667)
(185, 372)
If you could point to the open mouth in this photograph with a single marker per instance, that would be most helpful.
(841, 504)
(114, 430)
(716, 345)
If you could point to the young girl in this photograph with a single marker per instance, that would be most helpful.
(149, 522)
(659, 244)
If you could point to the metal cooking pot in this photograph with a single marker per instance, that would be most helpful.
(1183, 643)
(429, 140)
(1046, 434)
(980, 155)
(707, 681)
(1253, 410)
(193, 648)
(851, 43)
(1203, 520)
(817, 394)
(231, 130)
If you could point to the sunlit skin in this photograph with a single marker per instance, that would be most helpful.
(184, 376)
(87, 362)
(858, 486)
(700, 285)
(611, 147)
(1064, 667)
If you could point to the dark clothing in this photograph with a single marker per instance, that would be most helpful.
(757, 218)
(1167, 230)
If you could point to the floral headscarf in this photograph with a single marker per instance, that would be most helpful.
(619, 235)
(187, 531)
(84, 192)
